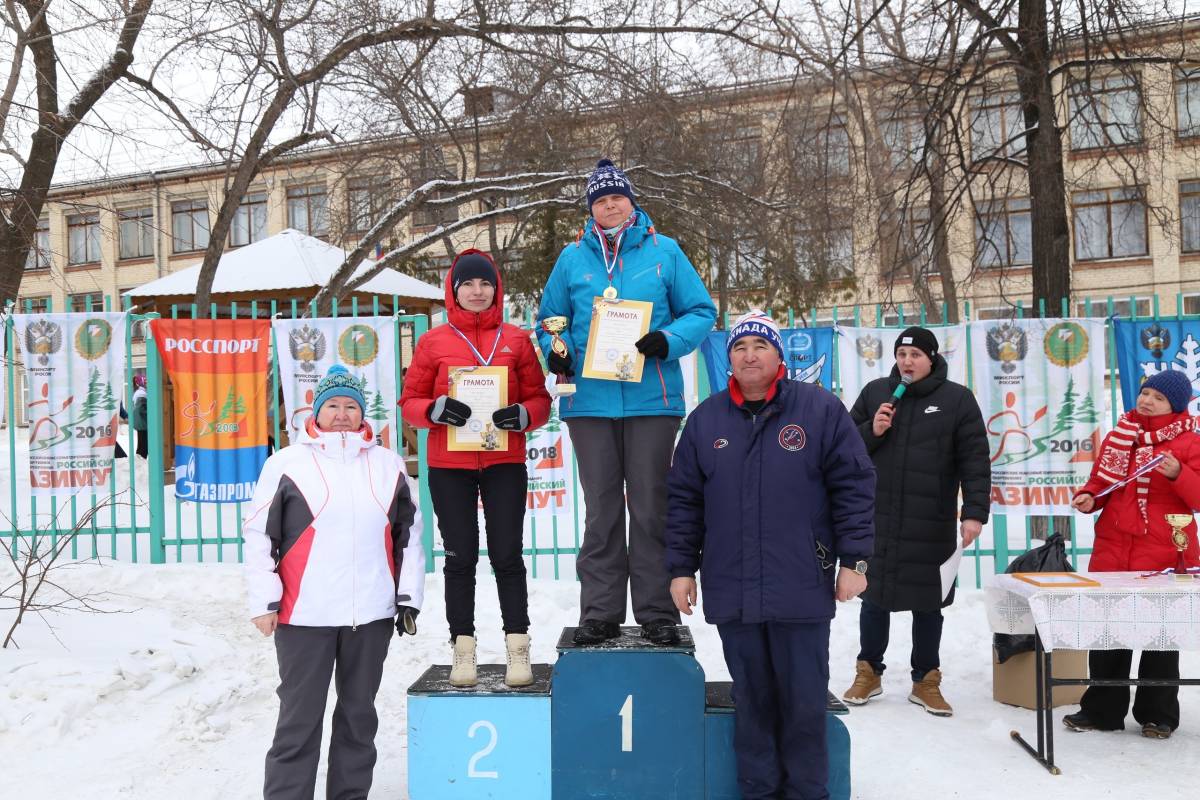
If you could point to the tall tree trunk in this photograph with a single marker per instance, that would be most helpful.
(1047, 181)
(941, 244)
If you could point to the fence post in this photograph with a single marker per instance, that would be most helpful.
(420, 326)
(154, 437)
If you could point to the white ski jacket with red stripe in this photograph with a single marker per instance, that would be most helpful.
(333, 536)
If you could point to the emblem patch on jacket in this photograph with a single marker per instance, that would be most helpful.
(720, 443)
(792, 437)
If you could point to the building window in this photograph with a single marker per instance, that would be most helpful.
(308, 209)
(79, 302)
(1122, 307)
(136, 232)
(821, 147)
(1110, 224)
(1003, 233)
(1191, 304)
(39, 252)
(249, 221)
(37, 304)
(1187, 102)
(368, 199)
(996, 126)
(83, 238)
(1000, 312)
(904, 137)
(828, 252)
(433, 167)
(1105, 111)
(189, 226)
(1189, 215)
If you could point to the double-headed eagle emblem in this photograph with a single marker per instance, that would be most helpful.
(307, 346)
(1007, 344)
(43, 339)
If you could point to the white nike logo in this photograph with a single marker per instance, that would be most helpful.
(931, 409)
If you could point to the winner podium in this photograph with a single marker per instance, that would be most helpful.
(622, 720)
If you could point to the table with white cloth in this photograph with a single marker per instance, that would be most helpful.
(1125, 612)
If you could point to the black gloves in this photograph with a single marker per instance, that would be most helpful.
(448, 411)
(406, 620)
(511, 418)
(560, 365)
(653, 345)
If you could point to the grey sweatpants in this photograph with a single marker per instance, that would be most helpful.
(624, 460)
(307, 659)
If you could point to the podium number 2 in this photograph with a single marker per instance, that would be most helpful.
(626, 714)
(487, 749)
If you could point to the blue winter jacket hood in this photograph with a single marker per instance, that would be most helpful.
(765, 504)
(650, 267)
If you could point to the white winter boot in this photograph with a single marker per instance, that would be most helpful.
(463, 672)
(519, 672)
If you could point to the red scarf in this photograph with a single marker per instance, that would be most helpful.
(1133, 435)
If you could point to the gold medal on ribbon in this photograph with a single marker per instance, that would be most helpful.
(610, 293)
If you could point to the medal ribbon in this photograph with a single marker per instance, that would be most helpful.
(479, 356)
(616, 249)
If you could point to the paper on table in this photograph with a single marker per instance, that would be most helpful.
(950, 570)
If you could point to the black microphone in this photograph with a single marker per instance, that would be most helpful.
(905, 380)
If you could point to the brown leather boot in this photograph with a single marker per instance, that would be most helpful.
(927, 693)
(867, 684)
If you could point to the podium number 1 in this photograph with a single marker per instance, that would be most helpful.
(487, 749)
(626, 714)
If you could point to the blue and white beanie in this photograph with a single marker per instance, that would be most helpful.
(756, 323)
(338, 382)
(606, 180)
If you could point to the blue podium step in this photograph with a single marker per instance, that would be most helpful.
(628, 720)
(720, 767)
(488, 741)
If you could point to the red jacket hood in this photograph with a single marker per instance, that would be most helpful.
(458, 316)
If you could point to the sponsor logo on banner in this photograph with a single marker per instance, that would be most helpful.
(1156, 339)
(1007, 344)
(307, 346)
(869, 348)
(219, 371)
(358, 345)
(73, 398)
(1147, 348)
(1066, 344)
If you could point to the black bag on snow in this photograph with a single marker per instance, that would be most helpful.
(1048, 557)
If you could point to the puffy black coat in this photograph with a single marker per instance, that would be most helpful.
(937, 442)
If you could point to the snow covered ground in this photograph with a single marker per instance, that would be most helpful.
(172, 695)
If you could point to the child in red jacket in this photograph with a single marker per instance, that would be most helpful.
(475, 335)
(1132, 535)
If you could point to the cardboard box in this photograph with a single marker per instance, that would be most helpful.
(1013, 682)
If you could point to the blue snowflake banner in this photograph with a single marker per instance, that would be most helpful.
(1147, 347)
(808, 351)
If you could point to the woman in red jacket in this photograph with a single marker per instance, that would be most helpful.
(476, 336)
(1132, 535)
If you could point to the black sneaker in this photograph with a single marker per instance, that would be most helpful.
(594, 631)
(1079, 721)
(661, 631)
(1156, 730)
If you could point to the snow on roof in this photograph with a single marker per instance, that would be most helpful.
(287, 260)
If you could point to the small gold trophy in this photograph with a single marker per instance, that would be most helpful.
(625, 368)
(491, 438)
(555, 326)
(1178, 522)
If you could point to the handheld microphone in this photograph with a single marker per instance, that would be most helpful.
(905, 380)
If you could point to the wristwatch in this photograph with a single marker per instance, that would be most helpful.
(860, 567)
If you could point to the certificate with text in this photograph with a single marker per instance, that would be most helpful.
(616, 326)
(485, 390)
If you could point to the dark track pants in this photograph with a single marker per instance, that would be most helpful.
(874, 629)
(456, 493)
(308, 657)
(780, 676)
(1108, 705)
(624, 461)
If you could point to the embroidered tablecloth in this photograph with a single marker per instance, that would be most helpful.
(1125, 612)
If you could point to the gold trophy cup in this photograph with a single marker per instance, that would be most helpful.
(555, 326)
(1180, 539)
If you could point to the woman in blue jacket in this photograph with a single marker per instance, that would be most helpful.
(623, 431)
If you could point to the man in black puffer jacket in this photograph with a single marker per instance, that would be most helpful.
(925, 446)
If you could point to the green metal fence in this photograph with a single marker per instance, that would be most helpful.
(140, 520)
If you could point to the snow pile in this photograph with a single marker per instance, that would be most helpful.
(171, 695)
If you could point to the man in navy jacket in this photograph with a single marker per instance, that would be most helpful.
(769, 488)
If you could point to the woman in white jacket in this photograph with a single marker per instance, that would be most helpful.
(333, 554)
